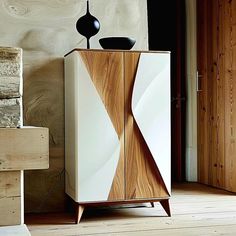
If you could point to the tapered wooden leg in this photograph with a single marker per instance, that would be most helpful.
(79, 212)
(152, 204)
(165, 204)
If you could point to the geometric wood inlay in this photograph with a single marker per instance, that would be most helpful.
(106, 72)
(143, 179)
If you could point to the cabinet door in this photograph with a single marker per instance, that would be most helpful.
(105, 70)
(147, 125)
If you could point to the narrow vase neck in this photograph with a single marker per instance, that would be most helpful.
(87, 6)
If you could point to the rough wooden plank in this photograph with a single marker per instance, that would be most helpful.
(11, 198)
(10, 184)
(214, 91)
(221, 96)
(24, 148)
(16, 230)
(221, 85)
(230, 97)
(10, 209)
(11, 112)
(216, 230)
(211, 99)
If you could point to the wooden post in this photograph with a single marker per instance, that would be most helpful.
(20, 149)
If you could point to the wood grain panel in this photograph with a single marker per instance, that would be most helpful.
(10, 198)
(10, 183)
(197, 210)
(230, 97)
(143, 180)
(218, 46)
(208, 109)
(106, 72)
(221, 96)
(202, 95)
(24, 148)
(213, 101)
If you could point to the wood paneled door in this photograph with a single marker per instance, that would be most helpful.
(217, 93)
(117, 127)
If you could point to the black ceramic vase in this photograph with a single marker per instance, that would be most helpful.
(88, 25)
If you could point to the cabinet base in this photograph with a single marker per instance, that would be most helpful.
(81, 206)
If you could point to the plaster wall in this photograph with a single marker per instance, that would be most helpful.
(45, 30)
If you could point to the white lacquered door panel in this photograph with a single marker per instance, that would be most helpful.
(151, 108)
(96, 145)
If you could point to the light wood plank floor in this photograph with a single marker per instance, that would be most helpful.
(196, 210)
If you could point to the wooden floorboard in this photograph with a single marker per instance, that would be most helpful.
(14, 230)
(196, 210)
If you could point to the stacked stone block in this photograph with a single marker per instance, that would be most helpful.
(11, 87)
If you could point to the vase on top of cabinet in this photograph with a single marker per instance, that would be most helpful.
(88, 25)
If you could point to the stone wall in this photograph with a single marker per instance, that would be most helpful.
(45, 30)
(10, 87)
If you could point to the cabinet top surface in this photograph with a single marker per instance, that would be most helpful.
(113, 50)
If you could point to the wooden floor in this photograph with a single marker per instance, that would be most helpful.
(196, 210)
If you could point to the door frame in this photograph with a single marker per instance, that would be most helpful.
(191, 84)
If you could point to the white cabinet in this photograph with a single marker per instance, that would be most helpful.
(117, 127)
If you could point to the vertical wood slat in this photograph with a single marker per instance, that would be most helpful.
(210, 99)
(24, 148)
(213, 101)
(210, 81)
(220, 47)
(207, 103)
(10, 198)
(230, 96)
(221, 96)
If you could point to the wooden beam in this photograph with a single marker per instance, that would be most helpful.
(23, 149)
(11, 189)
